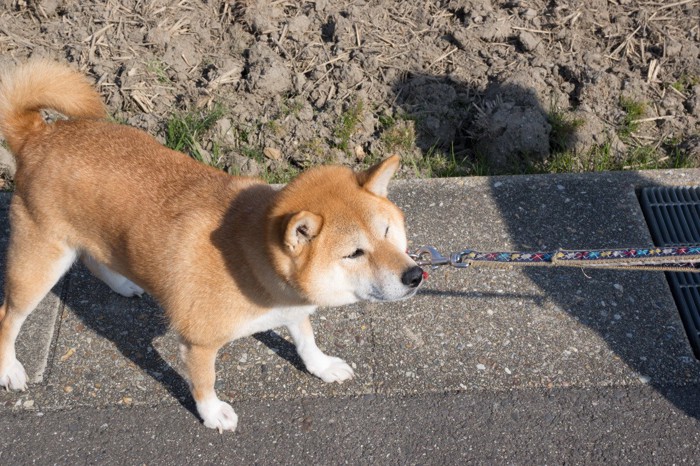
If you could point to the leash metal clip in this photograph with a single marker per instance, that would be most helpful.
(428, 255)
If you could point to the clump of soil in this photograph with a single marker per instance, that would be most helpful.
(452, 85)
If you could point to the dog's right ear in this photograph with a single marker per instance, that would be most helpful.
(376, 179)
(301, 228)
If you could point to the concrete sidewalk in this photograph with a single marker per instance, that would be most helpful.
(528, 365)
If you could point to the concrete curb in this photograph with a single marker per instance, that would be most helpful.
(468, 330)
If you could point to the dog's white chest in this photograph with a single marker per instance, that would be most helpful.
(276, 317)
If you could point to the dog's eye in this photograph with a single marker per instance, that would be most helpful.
(386, 233)
(356, 254)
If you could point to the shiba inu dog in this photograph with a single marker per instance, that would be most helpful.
(225, 256)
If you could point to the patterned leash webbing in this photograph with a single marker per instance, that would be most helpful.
(661, 259)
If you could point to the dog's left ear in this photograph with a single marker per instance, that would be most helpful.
(376, 179)
(301, 228)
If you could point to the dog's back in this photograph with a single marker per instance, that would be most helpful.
(73, 175)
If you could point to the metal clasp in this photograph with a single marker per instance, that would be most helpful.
(456, 260)
(429, 256)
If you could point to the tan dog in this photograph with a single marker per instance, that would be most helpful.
(226, 257)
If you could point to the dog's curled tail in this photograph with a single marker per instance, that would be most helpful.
(42, 84)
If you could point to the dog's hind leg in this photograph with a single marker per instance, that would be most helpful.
(327, 368)
(119, 283)
(34, 265)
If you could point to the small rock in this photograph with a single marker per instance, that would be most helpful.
(360, 153)
(272, 153)
(481, 367)
(673, 48)
(224, 128)
(241, 165)
(494, 30)
(528, 41)
(49, 6)
(68, 354)
(267, 72)
(529, 13)
(28, 404)
(298, 25)
(68, 389)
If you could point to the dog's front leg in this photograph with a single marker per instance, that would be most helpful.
(199, 362)
(328, 368)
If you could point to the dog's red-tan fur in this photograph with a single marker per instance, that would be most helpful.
(225, 256)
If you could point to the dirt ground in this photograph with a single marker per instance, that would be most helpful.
(457, 87)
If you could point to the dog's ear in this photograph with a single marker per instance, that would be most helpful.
(376, 178)
(301, 228)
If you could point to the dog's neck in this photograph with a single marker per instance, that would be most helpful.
(243, 239)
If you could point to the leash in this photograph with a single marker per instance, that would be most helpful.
(660, 259)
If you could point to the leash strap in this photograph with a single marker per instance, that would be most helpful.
(665, 259)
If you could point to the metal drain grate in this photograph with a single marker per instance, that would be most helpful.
(673, 216)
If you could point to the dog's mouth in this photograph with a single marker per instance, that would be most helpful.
(377, 296)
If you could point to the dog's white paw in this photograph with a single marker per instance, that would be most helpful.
(127, 288)
(217, 414)
(332, 370)
(15, 377)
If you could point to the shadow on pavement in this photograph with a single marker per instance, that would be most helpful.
(573, 216)
(132, 324)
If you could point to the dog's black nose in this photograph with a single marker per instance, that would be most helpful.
(412, 277)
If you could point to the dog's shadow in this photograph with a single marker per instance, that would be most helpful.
(134, 325)
(131, 324)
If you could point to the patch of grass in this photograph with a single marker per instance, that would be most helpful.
(386, 121)
(184, 131)
(436, 164)
(275, 127)
(118, 119)
(280, 176)
(398, 135)
(347, 125)
(159, 70)
(603, 158)
(561, 162)
(599, 158)
(685, 82)
(252, 152)
(314, 147)
(292, 105)
(564, 126)
(634, 110)
(479, 166)
(679, 157)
